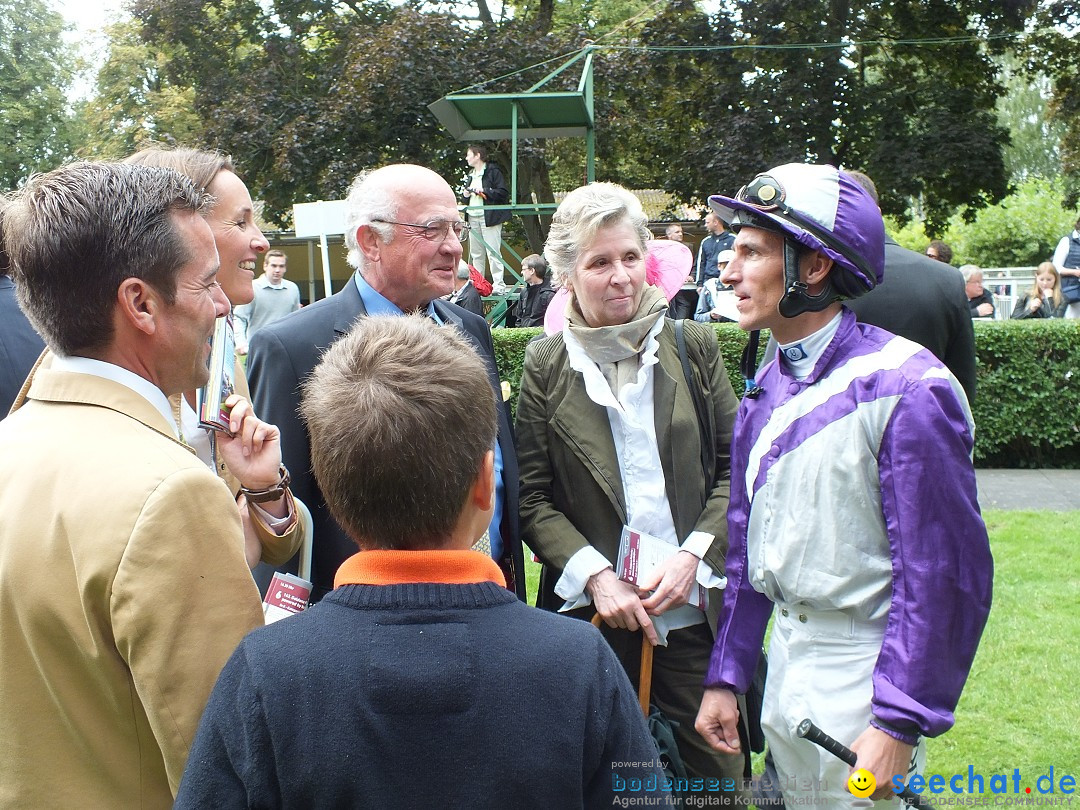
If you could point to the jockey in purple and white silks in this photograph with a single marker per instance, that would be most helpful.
(853, 508)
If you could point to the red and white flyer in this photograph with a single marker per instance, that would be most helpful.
(286, 596)
(641, 554)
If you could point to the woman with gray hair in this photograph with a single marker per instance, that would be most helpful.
(615, 437)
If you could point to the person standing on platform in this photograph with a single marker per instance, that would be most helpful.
(485, 186)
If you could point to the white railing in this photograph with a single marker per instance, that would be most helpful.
(1007, 284)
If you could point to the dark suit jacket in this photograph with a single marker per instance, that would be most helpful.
(468, 297)
(20, 346)
(281, 357)
(924, 300)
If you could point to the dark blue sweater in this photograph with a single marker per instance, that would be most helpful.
(419, 696)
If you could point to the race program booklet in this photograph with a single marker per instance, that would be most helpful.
(222, 363)
(287, 595)
(641, 554)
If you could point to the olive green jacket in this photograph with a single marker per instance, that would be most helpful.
(571, 489)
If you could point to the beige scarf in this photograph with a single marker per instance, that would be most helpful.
(616, 350)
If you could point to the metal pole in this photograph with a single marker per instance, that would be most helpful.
(328, 289)
(311, 271)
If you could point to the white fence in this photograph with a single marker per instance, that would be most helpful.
(1007, 284)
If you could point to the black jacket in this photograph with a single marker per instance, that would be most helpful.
(1021, 311)
(495, 193)
(923, 300)
(975, 303)
(20, 346)
(533, 303)
(281, 357)
(468, 297)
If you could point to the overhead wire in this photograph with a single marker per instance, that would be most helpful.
(814, 45)
(598, 44)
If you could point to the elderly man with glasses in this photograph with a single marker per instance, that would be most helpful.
(404, 235)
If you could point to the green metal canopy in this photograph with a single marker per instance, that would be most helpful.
(491, 116)
(531, 114)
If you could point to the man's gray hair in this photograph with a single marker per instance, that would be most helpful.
(75, 234)
(369, 200)
(582, 213)
(968, 270)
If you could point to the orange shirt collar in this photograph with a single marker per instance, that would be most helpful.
(383, 567)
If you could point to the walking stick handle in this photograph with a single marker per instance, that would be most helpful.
(815, 735)
(644, 672)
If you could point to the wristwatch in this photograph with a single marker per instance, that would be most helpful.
(271, 493)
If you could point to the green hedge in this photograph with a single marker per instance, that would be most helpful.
(1027, 409)
(1027, 404)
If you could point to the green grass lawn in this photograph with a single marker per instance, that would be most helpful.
(1023, 695)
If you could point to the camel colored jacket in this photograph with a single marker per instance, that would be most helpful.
(123, 591)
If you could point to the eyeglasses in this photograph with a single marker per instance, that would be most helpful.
(767, 194)
(436, 230)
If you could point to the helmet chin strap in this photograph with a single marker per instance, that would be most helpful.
(797, 298)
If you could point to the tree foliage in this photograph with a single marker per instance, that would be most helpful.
(1055, 51)
(1020, 231)
(1024, 111)
(35, 70)
(918, 119)
(306, 93)
(134, 101)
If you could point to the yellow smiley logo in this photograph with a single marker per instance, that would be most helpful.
(861, 783)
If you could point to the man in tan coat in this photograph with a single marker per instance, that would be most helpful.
(123, 585)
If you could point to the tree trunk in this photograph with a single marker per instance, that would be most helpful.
(544, 16)
(485, 14)
(533, 177)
